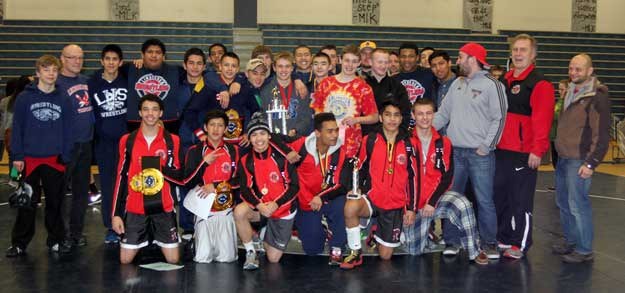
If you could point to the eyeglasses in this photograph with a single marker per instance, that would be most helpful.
(73, 57)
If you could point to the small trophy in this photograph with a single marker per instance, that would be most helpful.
(355, 194)
(276, 107)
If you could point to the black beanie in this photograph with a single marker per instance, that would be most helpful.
(257, 122)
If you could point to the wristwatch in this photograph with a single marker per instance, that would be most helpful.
(589, 166)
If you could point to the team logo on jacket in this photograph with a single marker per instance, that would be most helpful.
(225, 168)
(152, 84)
(274, 177)
(161, 153)
(414, 88)
(516, 89)
(401, 159)
(45, 111)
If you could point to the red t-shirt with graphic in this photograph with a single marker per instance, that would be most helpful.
(345, 99)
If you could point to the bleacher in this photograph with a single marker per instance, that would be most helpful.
(22, 41)
(607, 51)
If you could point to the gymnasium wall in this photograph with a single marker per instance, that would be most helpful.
(553, 15)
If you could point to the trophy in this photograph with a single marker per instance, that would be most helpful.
(355, 194)
(277, 110)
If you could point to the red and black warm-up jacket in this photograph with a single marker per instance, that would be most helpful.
(437, 168)
(224, 168)
(399, 189)
(309, 172)
(127, 200)
(531, 102)
(272, 171)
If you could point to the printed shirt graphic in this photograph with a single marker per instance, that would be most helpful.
(152, 84)
(351, 99)
(80, 96)
(111, 102)
(418, 83)
(45, 111)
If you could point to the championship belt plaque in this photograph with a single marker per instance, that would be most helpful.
(223, 198)
(235, 125)
(149, 182)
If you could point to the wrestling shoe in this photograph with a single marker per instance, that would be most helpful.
(353, 260)
(513, 252)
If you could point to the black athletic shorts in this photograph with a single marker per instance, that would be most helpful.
(390, 223)
(141, 230)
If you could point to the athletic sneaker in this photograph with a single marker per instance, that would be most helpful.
(79, 241)
(491, 251)
(481, 259)
(15, 251)
(251, 261)
(502, 246)
(111, 237)
(336, 257)
(576, 257)
(451, 250)
(95, 198)
(65, 247)
(353, 260)
(513, 252)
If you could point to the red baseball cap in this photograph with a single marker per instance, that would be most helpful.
(476, 50)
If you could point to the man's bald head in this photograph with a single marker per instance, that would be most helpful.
(580, 68)
(72, 58)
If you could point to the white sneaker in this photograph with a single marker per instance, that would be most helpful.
(451, 250)
(251, 261)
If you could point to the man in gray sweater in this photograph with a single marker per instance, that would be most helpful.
(474, 112)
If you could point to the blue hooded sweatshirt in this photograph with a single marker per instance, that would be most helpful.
(41, 125)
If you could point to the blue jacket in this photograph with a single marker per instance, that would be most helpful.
(77, 92)
(42, 125)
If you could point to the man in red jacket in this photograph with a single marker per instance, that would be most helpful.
(524, 141)
(268, 189)
(387, 184)
(322, 170)
(435, 201)
(143, 200)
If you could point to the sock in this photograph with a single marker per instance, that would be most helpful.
(353, 238)
(249, 246)
(336, 251)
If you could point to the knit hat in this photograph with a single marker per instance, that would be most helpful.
(258, 121)
(476, 50)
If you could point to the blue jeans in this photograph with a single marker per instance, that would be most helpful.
(575, 209)
(481, 171)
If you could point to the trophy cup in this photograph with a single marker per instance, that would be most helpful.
(355, 194)
(278, 111)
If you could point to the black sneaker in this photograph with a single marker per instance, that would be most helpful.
(15, 251)
(562, 248)
(79, 241)
(576, 257)
(65, 247)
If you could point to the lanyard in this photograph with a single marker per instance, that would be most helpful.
(286, 99)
